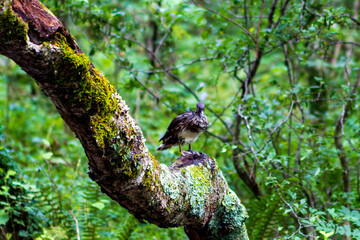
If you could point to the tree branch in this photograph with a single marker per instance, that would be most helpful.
(258, 30)
(226, 18)
(182, 83)
(339, 133)
(192, 192)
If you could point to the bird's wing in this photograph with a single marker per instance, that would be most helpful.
(177, 125)
(196, 123)
(192, 124)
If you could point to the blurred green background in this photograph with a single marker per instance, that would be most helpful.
(273, 105)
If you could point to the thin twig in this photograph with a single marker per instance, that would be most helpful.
(352, 93)
(282, 13)
(157, 98)
(227, 106)
(339, 133)
(276, 128)
(352, 18)
(258, 30)
(228, 19)
(162, 41)
(271, 14)
(76, 224)
(176, 67)
(301, 15)
(298, 103)
(292, 211)
(176, 78)
(221, 138)
(343, 42)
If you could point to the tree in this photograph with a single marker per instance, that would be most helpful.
(195, 196)
(280, 82)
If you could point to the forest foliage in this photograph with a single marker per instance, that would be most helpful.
(280, 82)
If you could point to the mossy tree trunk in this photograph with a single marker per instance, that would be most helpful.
(191, 193)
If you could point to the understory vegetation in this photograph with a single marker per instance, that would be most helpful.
(280, 81)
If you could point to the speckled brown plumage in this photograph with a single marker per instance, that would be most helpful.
(185, 128)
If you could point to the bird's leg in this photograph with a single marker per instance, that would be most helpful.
(181, 149)
(190, 150)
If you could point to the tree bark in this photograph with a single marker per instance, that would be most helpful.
(339, 134)
(192, 192)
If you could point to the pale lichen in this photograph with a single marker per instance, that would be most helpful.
(169, 182)
(230, 218)
(199, 187)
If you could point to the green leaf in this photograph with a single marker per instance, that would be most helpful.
(98, 205)
(47, 155)
(11, 173)
(4, 218)
(293, 179)
(326, 235)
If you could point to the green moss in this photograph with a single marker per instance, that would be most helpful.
(91, 92)
(198, 182)
(234, 212)
(4, 3)
(169, 182)
(94, 91)
(200, 187)
(150, 180)
(11, 26)
(230, 218)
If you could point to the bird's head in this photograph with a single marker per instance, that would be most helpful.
(200, 107)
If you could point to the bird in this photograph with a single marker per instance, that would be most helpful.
(185, 129)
